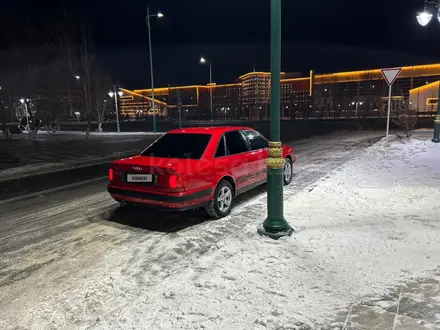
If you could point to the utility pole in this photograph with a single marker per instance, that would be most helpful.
(275, 226)
(153, 103)
(179, 108)
(117, 108)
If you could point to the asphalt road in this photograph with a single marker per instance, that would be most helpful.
(45, 239)
(28, 185)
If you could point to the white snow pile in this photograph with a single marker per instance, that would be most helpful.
(368, 226)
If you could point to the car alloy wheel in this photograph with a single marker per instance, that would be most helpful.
(221, 205)
(288, 172)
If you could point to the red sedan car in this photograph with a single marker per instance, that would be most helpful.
(196, 167)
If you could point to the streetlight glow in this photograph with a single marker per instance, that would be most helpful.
(110, 94)
(77, 77)
(22, 101)
(159, 15)
(120, 93)
(424, 18)
(202, 60)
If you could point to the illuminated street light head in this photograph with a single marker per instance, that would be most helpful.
(110, 94)
(22, 100)
(202, 60)
(159, 14)
(120, 93)
(424, 18)
(77, 77)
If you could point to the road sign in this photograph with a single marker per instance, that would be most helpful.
(390, 75)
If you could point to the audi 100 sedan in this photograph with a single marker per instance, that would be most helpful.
(196, 168)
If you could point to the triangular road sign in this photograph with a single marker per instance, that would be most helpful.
(390, 75)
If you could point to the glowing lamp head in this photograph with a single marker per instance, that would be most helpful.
(110, 94)
(22, 100)
(159, 15)
(202, 60)
(424, 18)
(120, 93)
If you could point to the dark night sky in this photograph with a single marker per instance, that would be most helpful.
(325, 36)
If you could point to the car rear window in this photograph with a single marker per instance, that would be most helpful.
(179, 145)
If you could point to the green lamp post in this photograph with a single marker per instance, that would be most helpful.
(275, 226)
(424, 18)
(436, 138)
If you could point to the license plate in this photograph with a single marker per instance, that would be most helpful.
(139, 177)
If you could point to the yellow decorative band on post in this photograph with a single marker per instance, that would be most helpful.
(437, 119)
(275, 152)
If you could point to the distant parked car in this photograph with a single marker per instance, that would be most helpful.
(196, 168)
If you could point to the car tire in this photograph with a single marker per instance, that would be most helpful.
(217, 207)
(288, 172)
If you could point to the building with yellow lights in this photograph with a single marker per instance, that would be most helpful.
(344, 94)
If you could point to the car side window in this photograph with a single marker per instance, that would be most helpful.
(256, 141)
(235, 143)
(221, 149)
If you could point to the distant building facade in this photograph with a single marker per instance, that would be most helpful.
(343, 94)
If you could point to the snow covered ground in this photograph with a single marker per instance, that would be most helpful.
(366, 228)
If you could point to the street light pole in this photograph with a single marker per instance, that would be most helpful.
(424, 18)
(210, 87)
(153, 103)
(436, 138)
(275, 226)
(117, 108)
(202, 60)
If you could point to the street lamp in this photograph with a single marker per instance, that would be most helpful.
(115, 94)
(203, 61)
(275, 226)
(424, 18)
(158, 15)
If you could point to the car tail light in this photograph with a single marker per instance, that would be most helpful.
(172, 181)
(111, 174)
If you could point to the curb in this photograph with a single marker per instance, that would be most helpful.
(68, 167)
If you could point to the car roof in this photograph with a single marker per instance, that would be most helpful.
(209, 130)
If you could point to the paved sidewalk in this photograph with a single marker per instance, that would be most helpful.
(414, 305)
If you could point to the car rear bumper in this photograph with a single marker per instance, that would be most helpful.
(166, 202)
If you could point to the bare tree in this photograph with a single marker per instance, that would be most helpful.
(405, 119)
(78, 48)
(101, 83)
